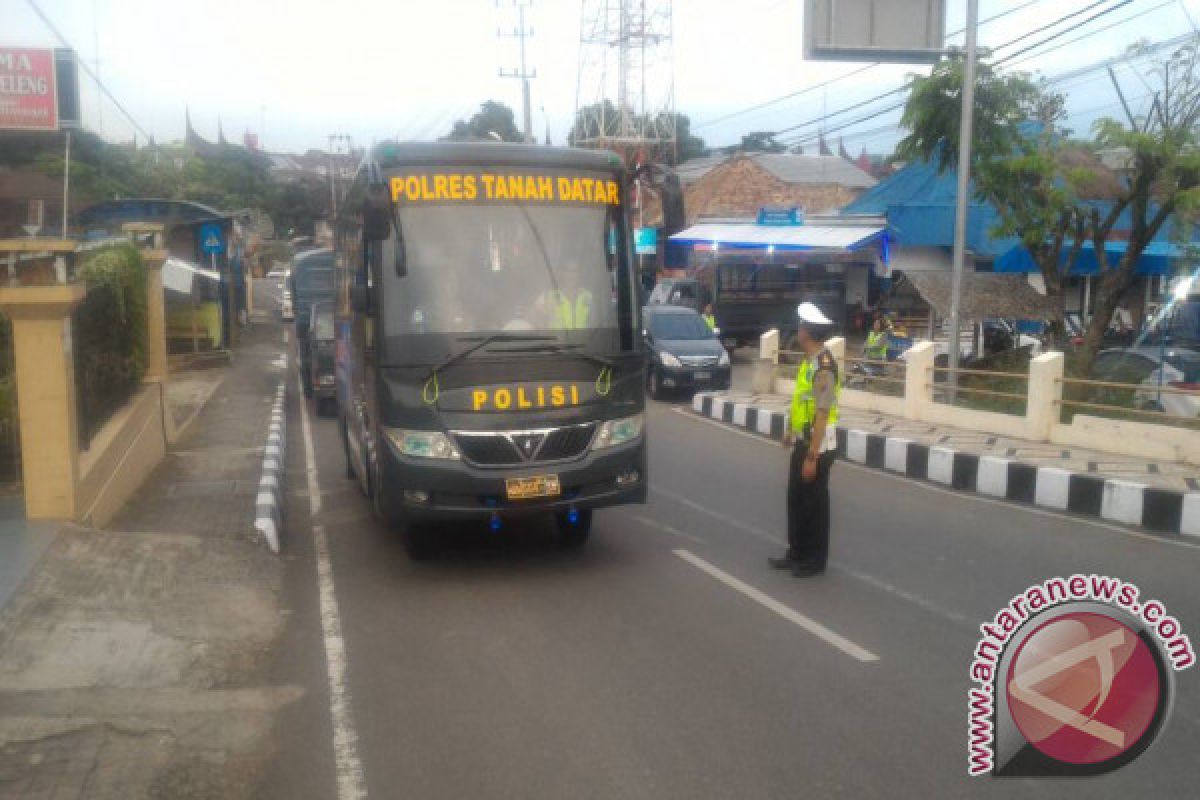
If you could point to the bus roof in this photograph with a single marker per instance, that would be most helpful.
(394, 154)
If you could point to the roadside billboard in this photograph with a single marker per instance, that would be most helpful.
(28, 89)
(892, 31)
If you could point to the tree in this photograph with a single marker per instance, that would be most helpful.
(491, 118)
(1051, 193)
(760, 142)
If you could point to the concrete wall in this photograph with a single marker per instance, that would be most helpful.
(1140, 439)
(122, 455)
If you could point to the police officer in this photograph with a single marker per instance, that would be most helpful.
(709, 319)
(813, 438)
(877, 342)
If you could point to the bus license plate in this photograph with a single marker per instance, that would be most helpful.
(703, 376)
(536, 486)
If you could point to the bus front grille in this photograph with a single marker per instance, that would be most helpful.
(508, 448)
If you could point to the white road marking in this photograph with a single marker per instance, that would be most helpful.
(662, 526)
(790, 614)
(351, 782)
(717, 515)
(961, 495)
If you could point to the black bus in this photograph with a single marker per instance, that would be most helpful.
(489, 357)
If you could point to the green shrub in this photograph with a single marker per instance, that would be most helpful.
(110, 332)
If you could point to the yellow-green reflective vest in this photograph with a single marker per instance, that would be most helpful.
(710, 321)
(573, 315)
(877, 344)
(804, 406)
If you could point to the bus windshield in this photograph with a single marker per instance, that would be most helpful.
(484, 268)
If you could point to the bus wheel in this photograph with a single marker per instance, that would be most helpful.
(574, 535)
(653, 386)
(418, 540)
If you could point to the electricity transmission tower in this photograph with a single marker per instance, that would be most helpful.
(625, 86)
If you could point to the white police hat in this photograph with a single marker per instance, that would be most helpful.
(809, 314)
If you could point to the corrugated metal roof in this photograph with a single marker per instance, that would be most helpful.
(694, 169)
(794, 168)
(798, 237)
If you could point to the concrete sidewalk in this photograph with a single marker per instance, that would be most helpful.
(1161, 496)
(133, 661)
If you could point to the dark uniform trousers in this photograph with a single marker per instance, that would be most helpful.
(808, 509)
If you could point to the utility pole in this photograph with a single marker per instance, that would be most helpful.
(334, 169)
(966, 125)
(520, 33)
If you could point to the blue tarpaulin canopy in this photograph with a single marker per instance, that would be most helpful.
(1158, 258)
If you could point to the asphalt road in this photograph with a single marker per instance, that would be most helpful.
(505, 667)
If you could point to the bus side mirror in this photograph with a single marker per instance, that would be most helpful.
(360, 299)
(377, 215)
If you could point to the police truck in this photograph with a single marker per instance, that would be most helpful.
(490, 361)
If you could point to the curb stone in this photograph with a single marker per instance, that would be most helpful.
(268, 505)
(1110, 499)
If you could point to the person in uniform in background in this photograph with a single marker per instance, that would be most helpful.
(877, 342)
(812, 435)
(709, 319)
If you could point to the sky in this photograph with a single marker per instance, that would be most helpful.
(296, 71)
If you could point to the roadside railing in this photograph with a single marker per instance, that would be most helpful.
(981, 389)
(877, 376)
(1129, 401)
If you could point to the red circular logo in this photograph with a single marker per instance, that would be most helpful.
(1083, 688)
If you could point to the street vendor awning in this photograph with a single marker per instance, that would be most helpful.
(1158, 258)
(178, 275)
(828, 238)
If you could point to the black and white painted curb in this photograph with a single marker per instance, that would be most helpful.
(268, 505)
(1126, 502)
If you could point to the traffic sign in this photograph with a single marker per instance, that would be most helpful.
(212, 238)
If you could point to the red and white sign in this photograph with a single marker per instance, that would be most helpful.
(28, 89)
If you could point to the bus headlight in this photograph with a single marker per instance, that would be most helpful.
(618, 431)
(422, 444)
(669, 359)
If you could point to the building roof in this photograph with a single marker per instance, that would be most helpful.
(841, 238)
(984, 295)
(805, 169)
(694, 169)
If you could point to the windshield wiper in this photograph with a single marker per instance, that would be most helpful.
(461, 355)
(570, 349)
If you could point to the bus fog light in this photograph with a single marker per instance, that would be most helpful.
(628, 478)
(416, 497)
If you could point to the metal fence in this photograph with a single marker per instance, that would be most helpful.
(981, 389)
(1133, 401)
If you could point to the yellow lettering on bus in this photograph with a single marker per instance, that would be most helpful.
(412, 187)
(501, 188)
(456, 187)
(397, 185)
(470, 189)
(574, 394)
(564, 189)
(489, 182)
(441, 189)
(545, 187)
(503, 399)
(557, 396)
(522, 401)
(541, 396)
(478, 399)
(613, 193)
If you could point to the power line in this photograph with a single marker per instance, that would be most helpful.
(907, 86)
(852, 73)
(83, 65)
